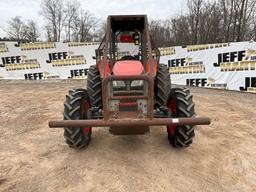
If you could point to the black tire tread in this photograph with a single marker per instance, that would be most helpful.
(162, 85)
(185, 107)
(94, 86)
(75, 137)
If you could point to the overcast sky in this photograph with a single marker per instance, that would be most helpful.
(30, 9)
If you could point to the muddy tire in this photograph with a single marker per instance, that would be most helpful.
(76, 107)
(94, 86)
(162, 85)
(181, 105)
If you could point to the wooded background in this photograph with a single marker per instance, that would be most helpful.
(200, 22)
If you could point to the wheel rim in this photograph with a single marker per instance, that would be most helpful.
(85, 108)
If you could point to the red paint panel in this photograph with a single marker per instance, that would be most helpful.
(128, 67)
(126, 39)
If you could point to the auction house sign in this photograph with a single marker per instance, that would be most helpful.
(226, 65)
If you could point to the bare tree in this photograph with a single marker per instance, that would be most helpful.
(30, 31)
(161, 32)
(72, 10)
(100, 30)
(252, 26)
(83, 24)
(15, 28)
(53, 12)
(209, 22)
(194, 7)
(227, 10)
(245, 9)
(20, 30)
(180, 30)
(203, 22)
(49, 33)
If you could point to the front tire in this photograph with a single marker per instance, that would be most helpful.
(94, 86)
(181, 105)
(76, 107)
(162, 85)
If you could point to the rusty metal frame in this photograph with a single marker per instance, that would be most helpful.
(132, 95)
(106, 97)
(105, 47)
(148, 121)
(130, 122)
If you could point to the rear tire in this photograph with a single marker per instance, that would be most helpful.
(76, 107)
(162, 85)
(94, 86)
(181, 105)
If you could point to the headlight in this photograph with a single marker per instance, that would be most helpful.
(136, 83)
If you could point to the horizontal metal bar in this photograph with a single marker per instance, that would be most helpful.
(124, 97)
(129, 77)
(128, 104)
(131, 92)
(130, 122)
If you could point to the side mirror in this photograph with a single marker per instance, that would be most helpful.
(93, 57)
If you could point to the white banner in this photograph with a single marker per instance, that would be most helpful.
(227, 66)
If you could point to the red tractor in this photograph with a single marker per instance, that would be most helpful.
(128, 90)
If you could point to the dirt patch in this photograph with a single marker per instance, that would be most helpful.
(35, 158)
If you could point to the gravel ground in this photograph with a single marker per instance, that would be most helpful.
(36, 158)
